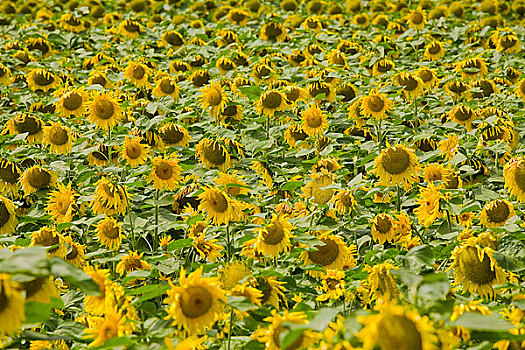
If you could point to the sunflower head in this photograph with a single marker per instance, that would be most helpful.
(213, 154)
(496, 213)
(104, 111)
(396, 165)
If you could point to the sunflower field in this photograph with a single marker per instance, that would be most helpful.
(262, 174)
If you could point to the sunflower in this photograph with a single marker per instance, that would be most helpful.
(196, 303)
(456, 88)
(514, 175)
(40, 289)
(271, 102)
(344, 202)
(26, 123)
(48, 237)
(233, 273)
(396, 327)
(508, 43)
(293, 134)
(382, 283)
(59, 138)
(273, 31)
(434, 51)
(272, 290)
(361, 19)
(472, 68)
(8, 219)
(173, 39)
(95, 304)
(101, 156)
(36, 178)
(496, 213)
(137, 73)
(97, 77)
(463, 115)
(232, 184)
(134, 152)
(199, 78)
(214, 96)
(428, 77)
(130, 28)
(104, 110)
(61, 203)
(271, 336)
(274, 238)
(332, 286)
(382, 66)
(239, 16)
(109, 233)
(41, 79)
(213, 154)
(11, 308)
(174, 135)
(132, 262)
(5, 74)
(165, 173)
(262, 170)
(383, 228)
(520, 89)
(314, 189)
(412, 85)
(207, 248)
(375, 105)
(109, 198)
(314, 121)
(219, 207)
(166, 86)
(396, 165)
(416, 18)
(76, 254)
(320, 90)
(476, 269)
(428, 210)
(102, 329)
(9, 175)
(329, 256)
(71, 23)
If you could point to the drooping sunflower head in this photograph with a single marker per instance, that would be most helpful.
(412, 84)
(476, 269)
(72, 103)
(109, 233)
(293, 134)
(27, 123)
(130, 28)
(273, 31)
(174, 135)
(5, 74)
(62, 204)
(48, 237)
(214, 96)
(472, 68)
(496, 213)
(9, 175)
(314, 189)
(463, 115)
(456, 88)
(396, 165)
(36, 178)
(434, 51)
(271, 102)
(59, 138)
(320, 90)
(8, 219)
(520, 89)
(344, 202)
(514, 175)
(137, 73)
(41, 79)
(173, 39)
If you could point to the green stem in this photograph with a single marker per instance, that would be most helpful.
(228, 243)
(156, 220)
(415, 108)
(130, 221)
(268, 127)
(379, 136)
(230, 331)
(398, 201)
(449, 222)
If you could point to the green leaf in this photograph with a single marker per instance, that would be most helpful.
(37, 312)
(79, 279)
(478, 322)
(180, 243)
(291, 185)
(252, 92)
(322, 318)
(32, 261)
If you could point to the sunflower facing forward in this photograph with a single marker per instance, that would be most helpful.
(219, 207)
(376, 105)
(196, 303)
(314, 121)
(109, 233)
(72, 103)
(37, 178)
(416, 18)
(104, 111)
(271, 102)
(214, 96)
(59, 138)
(61, 205)
(396, 165)
(330, 255)
(274, 238)
(165, 174)
(496, 213)
(134, 152)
